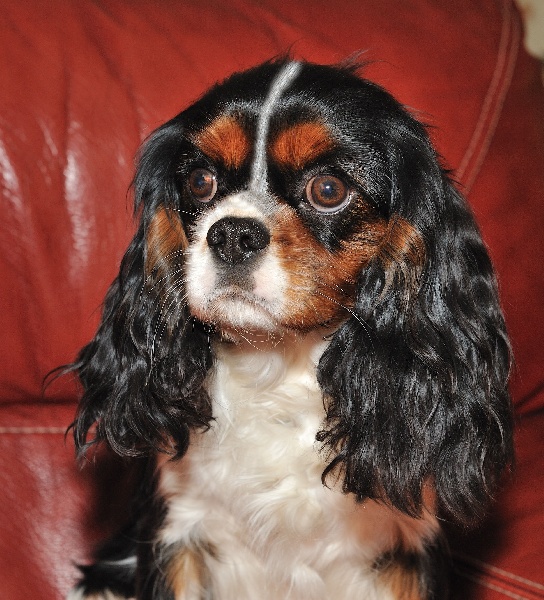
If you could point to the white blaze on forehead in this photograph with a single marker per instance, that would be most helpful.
(245, 205)
(280, 83)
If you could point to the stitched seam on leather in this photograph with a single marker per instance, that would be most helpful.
(507, 575)
(475, 563)
(493, 103)
(497, 579)
(33, 430)
(491, 586)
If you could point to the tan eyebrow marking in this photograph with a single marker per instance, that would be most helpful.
(300, 144)
(224, 140)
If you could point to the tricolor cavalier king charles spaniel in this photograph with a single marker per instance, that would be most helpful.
(306, 342)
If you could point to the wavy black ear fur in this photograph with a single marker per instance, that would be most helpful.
(416, 381)
(142, 374)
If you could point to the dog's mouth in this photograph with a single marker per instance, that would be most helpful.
(235, 309)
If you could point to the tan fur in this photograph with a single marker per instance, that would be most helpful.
(187, 574)
(321, 282)
(165, 237)
(402, 581)
(225, 141)
(299, 145)
(402, 250)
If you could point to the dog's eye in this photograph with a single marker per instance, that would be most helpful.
(327, 193)
(202, 184)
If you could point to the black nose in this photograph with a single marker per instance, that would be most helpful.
(234, 240)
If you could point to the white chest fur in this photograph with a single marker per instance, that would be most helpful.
(251, 489)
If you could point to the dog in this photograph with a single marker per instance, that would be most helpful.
(304, 351)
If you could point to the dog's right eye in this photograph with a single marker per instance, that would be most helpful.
(202, 185)
(327, 194)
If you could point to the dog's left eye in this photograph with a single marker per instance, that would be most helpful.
(202, 184)
(327, 193)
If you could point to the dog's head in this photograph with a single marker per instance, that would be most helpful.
(278, 204)
(296, 197)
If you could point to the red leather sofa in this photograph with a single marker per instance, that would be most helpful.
(83, 82)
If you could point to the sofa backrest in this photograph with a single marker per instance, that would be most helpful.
(83, 83)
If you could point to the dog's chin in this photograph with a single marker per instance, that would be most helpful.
(239, 315)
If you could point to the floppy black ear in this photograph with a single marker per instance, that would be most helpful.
(142, 374)
(415, 382)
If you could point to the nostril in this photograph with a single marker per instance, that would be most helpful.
(254, 237)
(247, 243)
(234, 240)
(216, 236)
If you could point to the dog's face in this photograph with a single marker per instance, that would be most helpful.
(280, 201)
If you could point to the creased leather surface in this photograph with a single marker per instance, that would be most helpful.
(82, 83)
(52, 510)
